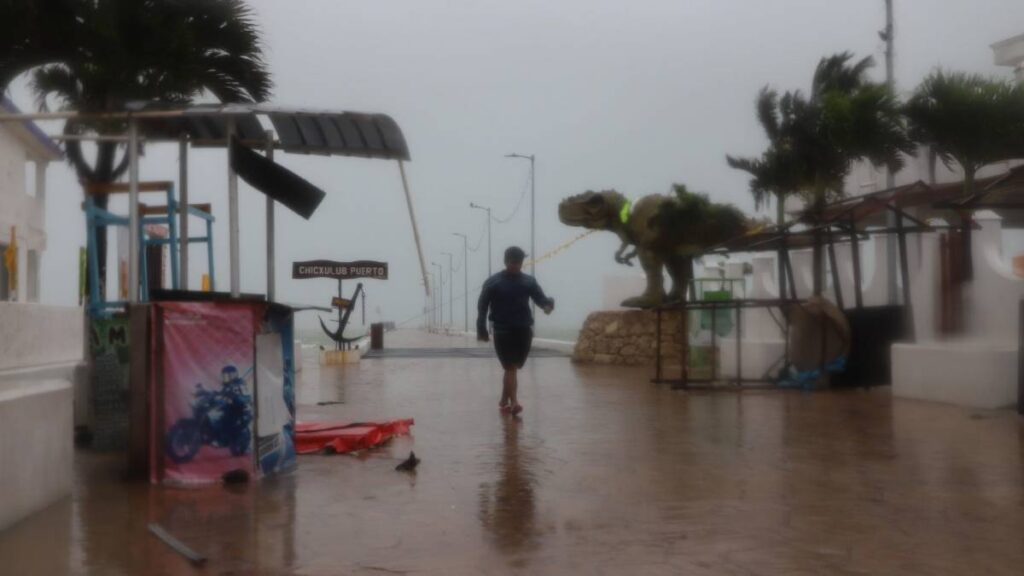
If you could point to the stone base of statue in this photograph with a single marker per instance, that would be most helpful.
(627, 337)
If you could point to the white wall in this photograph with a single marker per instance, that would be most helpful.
(977, 368)
(35, 446)
(41, 354)
(32, 335)
(19, 207)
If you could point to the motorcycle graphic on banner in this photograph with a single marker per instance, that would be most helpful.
(220, 418)
(208, 406)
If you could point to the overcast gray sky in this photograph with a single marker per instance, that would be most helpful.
(608, 94)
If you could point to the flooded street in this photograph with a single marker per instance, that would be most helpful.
(604, 473)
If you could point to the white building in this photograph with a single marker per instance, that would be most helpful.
(25, 153)
(1010, 52)
(41, 347)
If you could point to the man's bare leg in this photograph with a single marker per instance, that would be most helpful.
(506, 387)
(513, 397)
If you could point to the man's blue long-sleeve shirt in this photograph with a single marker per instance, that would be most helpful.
(508, 297)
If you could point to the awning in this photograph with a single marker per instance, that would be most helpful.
(298, 131)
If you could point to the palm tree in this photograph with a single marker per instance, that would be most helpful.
(776, 173)
(815, 140)
(99, 55)
(971, 120)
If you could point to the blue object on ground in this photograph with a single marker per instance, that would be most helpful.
(805, 380)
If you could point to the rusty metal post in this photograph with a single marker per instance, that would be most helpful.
(858, 294)
(834, 265)
(685, 345)
(739, 344)
(657, 346)
(714, 341)
(908, 307)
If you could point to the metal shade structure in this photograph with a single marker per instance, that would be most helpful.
(274, 180)
(299, 131)
(1003, 194)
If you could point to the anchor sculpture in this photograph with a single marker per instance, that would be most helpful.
(343, 314)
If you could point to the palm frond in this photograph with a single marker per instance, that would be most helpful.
(767, 112)
(58, 81)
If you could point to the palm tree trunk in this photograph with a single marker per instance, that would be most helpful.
(818, 266)
(967, 270)
(780, 221)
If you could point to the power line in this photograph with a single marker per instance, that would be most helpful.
(431, 309)
(480, 240)
(547, 256)
(519, 204)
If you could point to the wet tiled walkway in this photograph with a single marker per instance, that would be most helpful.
(604, 474)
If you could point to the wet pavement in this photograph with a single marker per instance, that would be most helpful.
(603, 474)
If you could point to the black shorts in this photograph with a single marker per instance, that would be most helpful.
(513, 346)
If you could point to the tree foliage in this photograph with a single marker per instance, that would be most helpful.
(814, 140)
(100, 55)
(968, 119)
(693, 219)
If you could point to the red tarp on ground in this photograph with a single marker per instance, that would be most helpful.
(314, 437)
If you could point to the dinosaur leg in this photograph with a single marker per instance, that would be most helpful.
(654, 295)
(680, 268)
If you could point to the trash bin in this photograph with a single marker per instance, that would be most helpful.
(377, 336)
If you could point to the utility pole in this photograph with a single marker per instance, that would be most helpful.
(533, 209)
(890, 177)
(465, 275)
(451, 288)
(433, 303)
(440, 295)
(488, 210)
(533, 219)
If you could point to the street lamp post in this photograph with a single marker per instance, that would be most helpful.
(533, 209)
(440, 288)
(451, 288)
(433, 303)
(488, 210)
(465, 275)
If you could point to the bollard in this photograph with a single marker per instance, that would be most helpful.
(377, 336)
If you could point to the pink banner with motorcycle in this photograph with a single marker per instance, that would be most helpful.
(204, 383)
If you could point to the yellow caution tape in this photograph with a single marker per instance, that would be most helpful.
(560, 248)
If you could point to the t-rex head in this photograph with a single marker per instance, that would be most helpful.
(594, 210)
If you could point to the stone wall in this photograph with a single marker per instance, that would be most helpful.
(627, 337)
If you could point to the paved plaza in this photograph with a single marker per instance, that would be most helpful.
(604, 473)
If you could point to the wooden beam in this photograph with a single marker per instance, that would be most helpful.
(834, 265)
(98, 188)
(150, 210)
(908, 307)
(855, 255)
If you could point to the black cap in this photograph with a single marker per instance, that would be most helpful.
(514, 255)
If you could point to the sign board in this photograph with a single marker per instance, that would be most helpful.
(342, 303)
(339, 270)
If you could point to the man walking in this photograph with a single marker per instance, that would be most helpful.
(507, 294)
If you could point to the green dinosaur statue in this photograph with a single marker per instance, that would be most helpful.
(664, 232)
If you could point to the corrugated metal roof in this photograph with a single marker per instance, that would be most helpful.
(298, 131)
